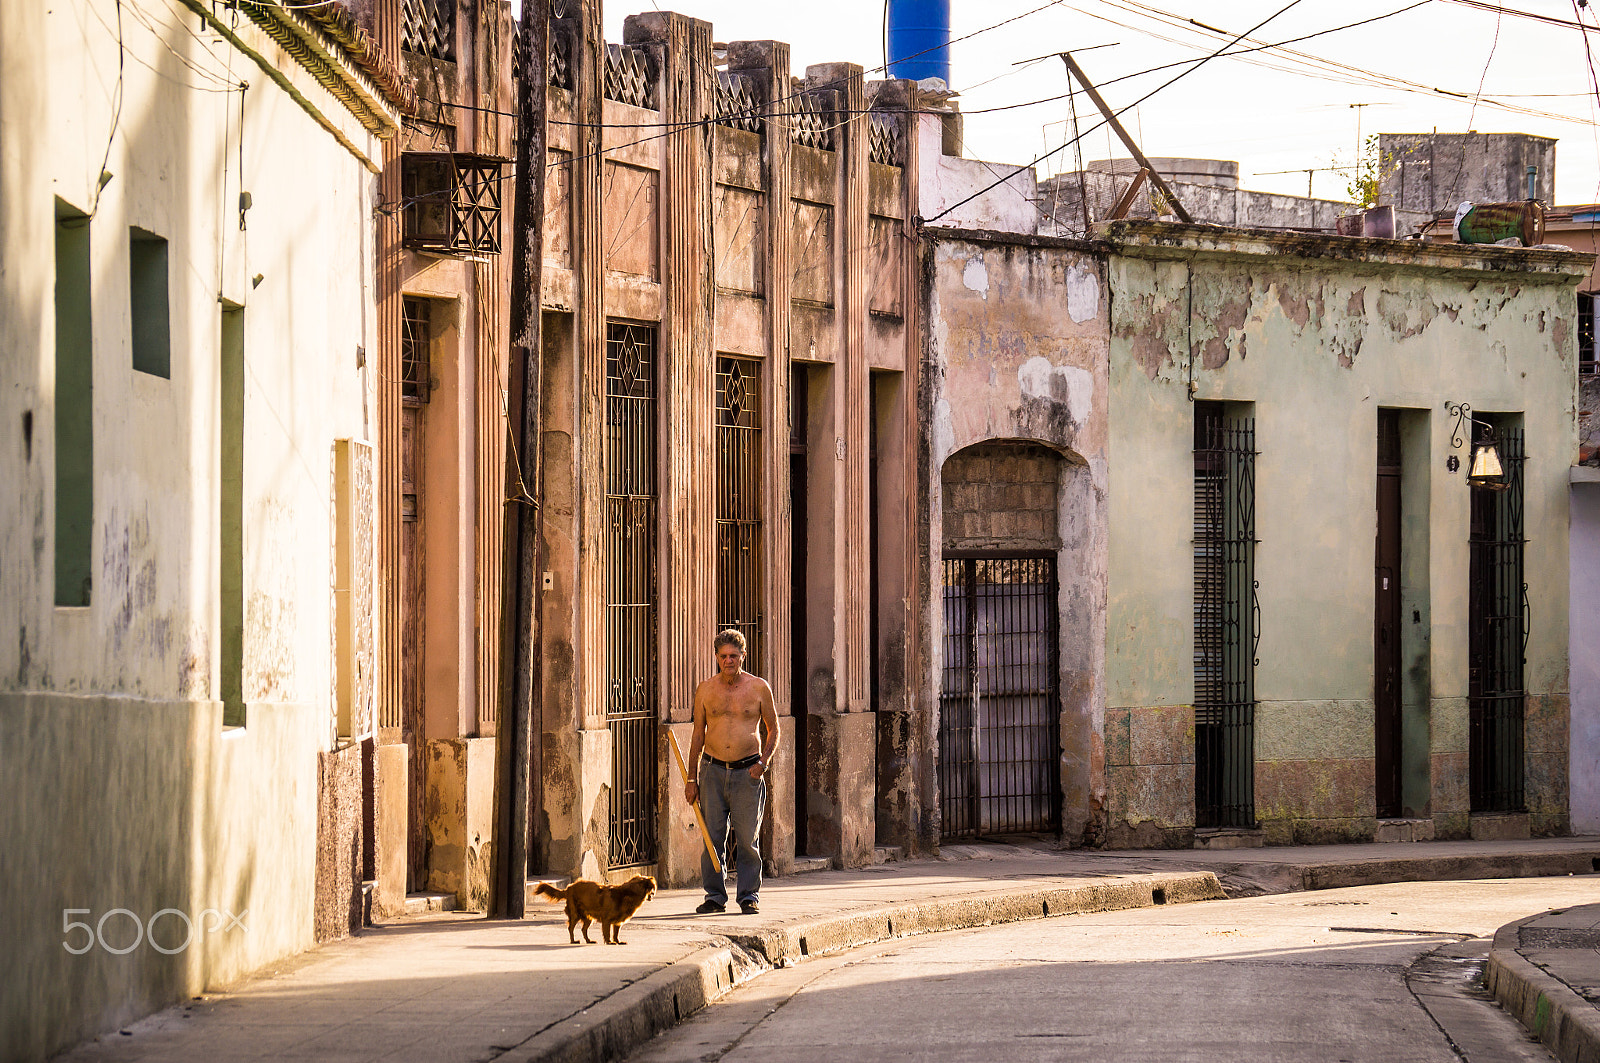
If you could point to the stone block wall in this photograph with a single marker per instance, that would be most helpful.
(1150, 777)
(1001, 496)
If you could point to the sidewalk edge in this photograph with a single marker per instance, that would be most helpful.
(1550, 1010)
(616, 1025)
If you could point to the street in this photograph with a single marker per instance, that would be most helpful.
(1375, 973)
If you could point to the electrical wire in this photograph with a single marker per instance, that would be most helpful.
(103, 178)
(1130, 106)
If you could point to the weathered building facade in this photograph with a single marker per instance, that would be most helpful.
(186, 559)
(446, 473)
(728, 372)
(1278, 386)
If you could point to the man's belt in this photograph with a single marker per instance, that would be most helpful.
(731, 765)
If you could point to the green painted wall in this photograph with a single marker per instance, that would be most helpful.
(1318, 333)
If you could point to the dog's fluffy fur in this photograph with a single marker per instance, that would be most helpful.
(592, 901)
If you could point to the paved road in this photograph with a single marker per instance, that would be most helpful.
(1374, 973)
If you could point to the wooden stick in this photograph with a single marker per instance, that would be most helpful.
(698, 818)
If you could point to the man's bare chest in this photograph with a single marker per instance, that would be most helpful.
(737, 704)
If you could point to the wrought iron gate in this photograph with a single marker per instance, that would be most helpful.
(739, 598)
(630, 431)
(1226, 618)
(1497, 638)
(1000, 704)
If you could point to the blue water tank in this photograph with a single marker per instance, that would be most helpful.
(919, 39)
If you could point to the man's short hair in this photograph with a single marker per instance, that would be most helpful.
(729, 637)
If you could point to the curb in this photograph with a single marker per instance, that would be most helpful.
(1566, 1023)
(610, 1028)
(1439, 869)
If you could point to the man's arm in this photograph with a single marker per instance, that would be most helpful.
(769, 727)
(697, 741)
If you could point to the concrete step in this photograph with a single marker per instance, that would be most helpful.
(423, 903)
(803, 864)
(530, 899)
(1404, 830)
(888, 854)
(1229, 838)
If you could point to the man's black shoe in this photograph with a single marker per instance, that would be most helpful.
(709, 908)
(749, 907)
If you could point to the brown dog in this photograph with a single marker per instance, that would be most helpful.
(593, 901)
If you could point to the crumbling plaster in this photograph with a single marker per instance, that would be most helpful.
(1318, 340)
(1016, 350)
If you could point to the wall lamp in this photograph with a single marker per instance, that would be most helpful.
(1485, 470)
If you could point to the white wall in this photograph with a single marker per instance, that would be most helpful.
(126, 792)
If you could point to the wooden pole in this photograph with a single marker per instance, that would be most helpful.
(698, 818)
(1133, 149)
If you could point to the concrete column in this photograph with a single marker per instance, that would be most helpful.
(766, 63)
(571, 823)
(900, 748)
(842, 739)
(681, 50)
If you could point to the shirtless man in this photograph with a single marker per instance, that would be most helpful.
(735, 736)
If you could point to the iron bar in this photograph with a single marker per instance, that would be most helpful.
(1226, 618)
(1497, 637)
(1000, 702)
(631, 596)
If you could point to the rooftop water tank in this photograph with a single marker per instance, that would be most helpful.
(919, 39)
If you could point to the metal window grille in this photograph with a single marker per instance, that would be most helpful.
(631, 495)
(883, 138)
(807, 122)
(628, 77)
(739, 524)
(1000, 703)
(737, 103)
(416, 329)
(1586, 354)
(428, 27)
(452, 201)
(1226, 618)
(1497, 639)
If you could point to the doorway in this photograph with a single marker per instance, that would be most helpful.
(1000, 702)
(1386, 631)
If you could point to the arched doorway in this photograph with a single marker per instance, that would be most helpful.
(1000, 691)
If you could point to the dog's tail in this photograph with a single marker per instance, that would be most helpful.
(551, 893)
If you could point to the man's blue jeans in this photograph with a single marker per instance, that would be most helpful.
(732, 803)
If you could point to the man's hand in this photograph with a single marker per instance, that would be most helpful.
(691, 791)
(758, 769)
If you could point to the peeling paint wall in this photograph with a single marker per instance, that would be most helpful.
(1017, 352)
(1319, 334)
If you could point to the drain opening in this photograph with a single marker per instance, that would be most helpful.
(1158, 896)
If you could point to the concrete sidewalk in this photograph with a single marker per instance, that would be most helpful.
(460, 987)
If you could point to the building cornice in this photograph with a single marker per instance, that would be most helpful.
(321, 56)
(1155, 239)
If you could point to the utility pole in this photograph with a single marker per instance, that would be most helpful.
(515, 770)
(1128, 142)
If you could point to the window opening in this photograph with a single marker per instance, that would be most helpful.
(631, 510)
(739, 524)
(1226, 617)
(74, 408)
(1497, 639)
(147, 287)
(416, 334)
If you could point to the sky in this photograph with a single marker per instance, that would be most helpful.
(1270, 111)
